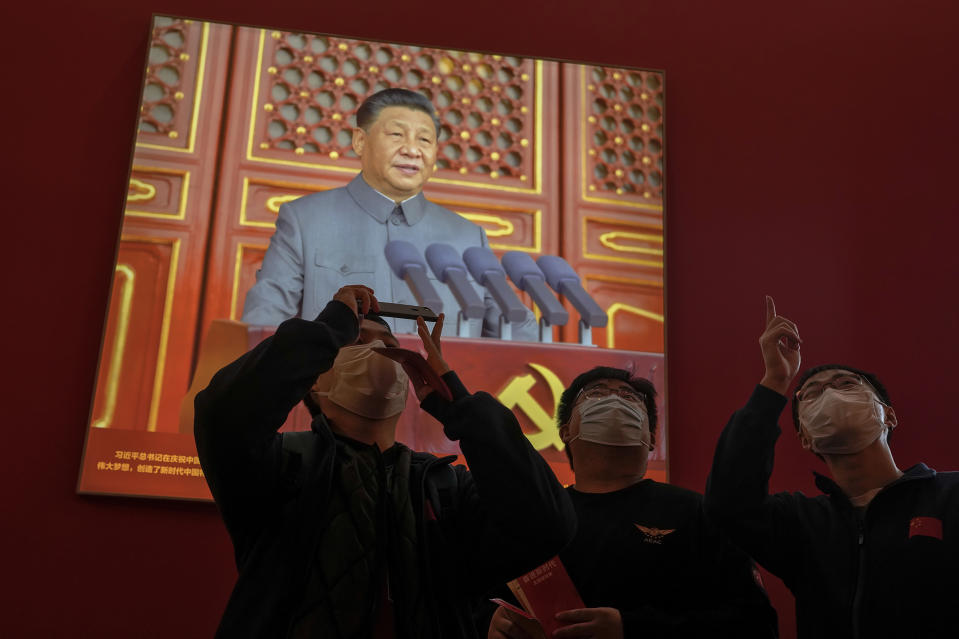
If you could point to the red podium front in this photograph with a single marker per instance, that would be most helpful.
(526, 377)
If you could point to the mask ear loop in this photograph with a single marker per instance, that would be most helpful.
(876, 397)
(889, 428)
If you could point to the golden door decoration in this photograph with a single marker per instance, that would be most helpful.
(150, 337)
(613, 199)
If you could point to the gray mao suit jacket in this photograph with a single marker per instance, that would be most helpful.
(327, 240)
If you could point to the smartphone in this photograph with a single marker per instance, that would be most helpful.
(406, 311)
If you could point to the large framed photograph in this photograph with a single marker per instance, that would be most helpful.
(547, 157)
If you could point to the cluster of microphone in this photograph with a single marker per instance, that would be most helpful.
(542, 279)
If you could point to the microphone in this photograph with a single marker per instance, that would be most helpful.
(409, 266)
(486, 269)
(449, 268)
(529, 278)
(564, 280)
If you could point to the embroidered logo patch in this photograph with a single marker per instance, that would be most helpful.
(926, 526)
(653, 535)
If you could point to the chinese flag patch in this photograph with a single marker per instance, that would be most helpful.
(758, 578)
(925, 526)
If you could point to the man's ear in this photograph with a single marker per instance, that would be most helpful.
(564, 433)
(891, 420)
(804, 439)
(359, 141)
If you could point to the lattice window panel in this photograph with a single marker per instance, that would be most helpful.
(165, 77)
(485, 102)
(624, 132)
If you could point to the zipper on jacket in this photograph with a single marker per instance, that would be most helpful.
(381, 568)
(423, 545)
(861, 575)
(423, 548)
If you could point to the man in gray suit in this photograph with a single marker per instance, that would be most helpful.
(328, 239)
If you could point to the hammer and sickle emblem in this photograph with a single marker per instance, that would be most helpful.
(516, 394)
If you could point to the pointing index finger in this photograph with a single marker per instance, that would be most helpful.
(770, 309)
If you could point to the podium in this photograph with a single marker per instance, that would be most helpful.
(527, 377)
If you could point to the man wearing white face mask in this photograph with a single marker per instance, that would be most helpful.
(343, 532)
(877, 554)
(361, 382)
(645, 560)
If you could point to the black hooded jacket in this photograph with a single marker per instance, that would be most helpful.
(508, 515)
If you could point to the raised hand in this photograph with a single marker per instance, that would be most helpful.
(434, 355)
(358, 297)
(780, 347)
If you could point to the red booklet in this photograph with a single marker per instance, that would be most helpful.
(545, 591)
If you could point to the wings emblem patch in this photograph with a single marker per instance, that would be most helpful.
(653, 535)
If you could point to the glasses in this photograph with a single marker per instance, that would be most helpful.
(600, 391)
(845, 381)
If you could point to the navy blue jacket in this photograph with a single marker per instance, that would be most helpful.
(891, 570)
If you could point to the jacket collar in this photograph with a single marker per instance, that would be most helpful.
(380, 207)
(831, 488)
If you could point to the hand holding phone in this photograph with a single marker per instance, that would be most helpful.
(359, 298)
(406, 311)
(426, 374)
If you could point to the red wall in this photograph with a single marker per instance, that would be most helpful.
(810, 156)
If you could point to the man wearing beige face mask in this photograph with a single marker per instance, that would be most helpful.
(878, 554)
(644, 559)
(343, 532)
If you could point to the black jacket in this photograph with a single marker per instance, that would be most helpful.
(890, 570)
(509, 513)
(648, 551)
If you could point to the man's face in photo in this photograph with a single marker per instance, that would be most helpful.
(398, 151)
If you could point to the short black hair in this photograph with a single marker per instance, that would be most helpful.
(564, 411)
(370, 109)
(873, 381)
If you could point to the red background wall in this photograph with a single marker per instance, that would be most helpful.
(810, 156)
